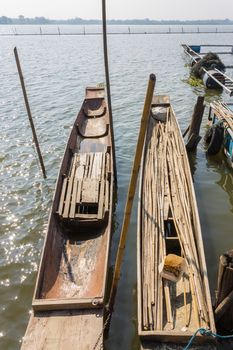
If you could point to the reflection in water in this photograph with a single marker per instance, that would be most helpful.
(219, 163)
(192, 157)
(226, 182)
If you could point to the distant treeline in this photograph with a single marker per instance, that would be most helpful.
(42, 20)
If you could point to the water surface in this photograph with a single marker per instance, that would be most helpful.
(56, 71)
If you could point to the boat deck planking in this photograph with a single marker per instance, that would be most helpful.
(63, 330)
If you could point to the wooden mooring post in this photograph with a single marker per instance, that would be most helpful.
(224, 295)
(106, 66)
(194, 127)
(29, 113)
(132, 189)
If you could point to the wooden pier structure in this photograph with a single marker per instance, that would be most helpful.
(213, 76)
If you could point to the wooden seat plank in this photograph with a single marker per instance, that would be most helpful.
(101, 200)
(80, 171)
(73, 199)
(86, 165)
(107, 162)
(82, 158)
(90, 191)
(95, 160)
(91, 164)
(70, 187)
(66, 329)
(78, 196)
(86, 216)
(73, 165)
(106, 204)
(99, 167)
(103, 167)
(61, 203)
(68, 196)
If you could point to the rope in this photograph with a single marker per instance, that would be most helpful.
(208, 332)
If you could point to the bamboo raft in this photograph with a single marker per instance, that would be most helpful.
(68, 301)
(170, 307)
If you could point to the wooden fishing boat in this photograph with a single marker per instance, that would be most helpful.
(70, 289)
(220, 133)
(173, 291)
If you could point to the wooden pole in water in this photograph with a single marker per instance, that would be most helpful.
(132, 188)
(194, 129)
(29, 112)
(104, 23)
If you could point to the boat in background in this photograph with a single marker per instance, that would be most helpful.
(220, 133)
(173, 289)
(213, 77)
(68, 302)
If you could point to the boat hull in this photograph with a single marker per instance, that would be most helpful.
(166, 304)
(68, 302)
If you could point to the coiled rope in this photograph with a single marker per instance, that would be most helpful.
(208, 332)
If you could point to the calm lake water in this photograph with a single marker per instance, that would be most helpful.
(57, 70)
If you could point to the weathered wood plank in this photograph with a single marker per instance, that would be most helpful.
(86, 216)
(63, 330)
(101, 200)
(82, 157)
(73, 199)
(161, 100)
(90, 191)
(80, 171)
(91, 164)
(70, 187)
(95, 165)
(108, 169)
(67, 199)
(106, 204)
(64, 304)
(99, 166)
(78, 197)
(61, 203)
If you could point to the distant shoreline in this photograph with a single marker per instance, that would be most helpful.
(79, 21)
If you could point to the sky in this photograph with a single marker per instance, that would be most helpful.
(119, 9)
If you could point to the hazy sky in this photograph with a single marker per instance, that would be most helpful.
(122, 9)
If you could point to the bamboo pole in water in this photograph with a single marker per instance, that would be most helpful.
(132, 188)
(29, 113)
(105, 45)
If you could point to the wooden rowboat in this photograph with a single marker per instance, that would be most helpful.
(70, 289)
(173, 290)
